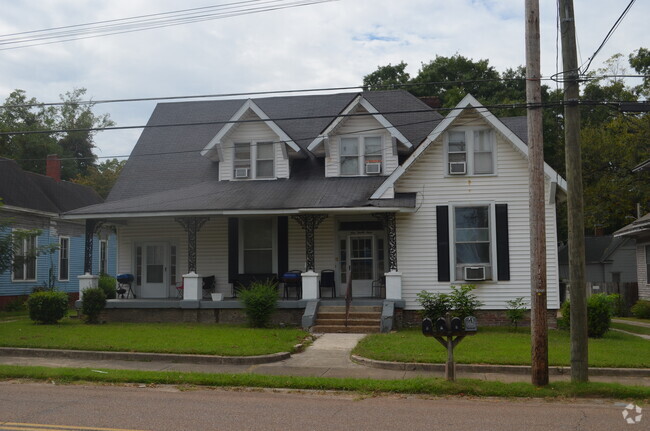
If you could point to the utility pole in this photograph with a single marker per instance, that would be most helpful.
(539, 329)
(578, 294)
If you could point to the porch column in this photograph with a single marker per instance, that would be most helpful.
(192, 288)
(309, 222)
(393, 276)
(88, 280)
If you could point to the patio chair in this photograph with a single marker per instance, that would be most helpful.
(293, 279)
(209, 284)
(327, 281)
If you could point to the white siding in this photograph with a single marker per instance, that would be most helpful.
(248, 132)
(416, 232)
(642, 271)
(212, 247)
(324, 245)
(363, 125)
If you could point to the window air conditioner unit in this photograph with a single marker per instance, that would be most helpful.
(474, 273)
(457, 168)
(373, 168)
(241, 173)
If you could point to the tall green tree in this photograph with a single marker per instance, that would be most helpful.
(102, 177)
(387, 77)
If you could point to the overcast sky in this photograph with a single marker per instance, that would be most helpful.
(327, 45)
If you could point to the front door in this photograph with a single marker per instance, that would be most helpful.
(154, 271)
(362, 263)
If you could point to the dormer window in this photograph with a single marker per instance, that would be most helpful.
(361, 155)
(253, 160)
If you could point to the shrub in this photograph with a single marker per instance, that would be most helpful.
(641, 309)
(463, 302)
(516, 310)
(17, 304)
(47, 307)
(93, 302)
(599, 315)
(617, 304)
(260, 301)
(108, 285)
(434, 305)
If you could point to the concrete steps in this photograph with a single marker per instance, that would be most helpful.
(362, 320)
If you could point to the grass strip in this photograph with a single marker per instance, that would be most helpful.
(183, 338)
(422, 385)
(503, 346)
(631, 328)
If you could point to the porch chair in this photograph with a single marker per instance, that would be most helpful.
(209, 284)
(379, 287)
(180, 289)
(293, 279)
(327, 281)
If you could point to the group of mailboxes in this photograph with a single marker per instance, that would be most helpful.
(453, 326)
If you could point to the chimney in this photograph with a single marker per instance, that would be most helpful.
(53, 167)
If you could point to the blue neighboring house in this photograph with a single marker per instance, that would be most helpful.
(33, 201)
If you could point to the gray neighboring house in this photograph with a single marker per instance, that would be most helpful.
(640, 231)
(608, 260)
(374, 183)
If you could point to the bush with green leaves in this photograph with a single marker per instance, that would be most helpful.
(617, 303)
(93, 301)
(47, 307)
(516, 310)
(641, 310)
(260, 302)
(461, 302)
(599, 315)
(109, 285)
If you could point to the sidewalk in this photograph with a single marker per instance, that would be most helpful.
(328, 356)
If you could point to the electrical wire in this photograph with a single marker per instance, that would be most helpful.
(607, 37)
(124, 25)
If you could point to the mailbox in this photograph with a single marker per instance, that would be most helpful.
(427, 327)
(456, 324)
(441, 325)
(470, 324)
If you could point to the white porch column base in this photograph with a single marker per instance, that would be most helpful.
(87, 281)
(310, 285)
(192, 287)
(393, 285)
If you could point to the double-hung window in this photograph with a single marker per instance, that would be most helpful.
(64, 258)
(361, 155)
(103, 257)
(254, 160)
(472, 242)
(471, 151)
(647, 264)
(25, 259)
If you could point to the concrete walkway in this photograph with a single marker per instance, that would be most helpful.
(632, 323)
(328, 356)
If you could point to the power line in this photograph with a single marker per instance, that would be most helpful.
(152, 21)
(608, 36)
(293, 91)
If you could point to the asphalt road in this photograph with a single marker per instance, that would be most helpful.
(41, 406)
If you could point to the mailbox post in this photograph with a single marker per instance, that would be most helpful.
(449, 332)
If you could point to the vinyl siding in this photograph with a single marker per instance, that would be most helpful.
(416, 232)
(324, 245)
(642, 270)
(248, 132)
(365, 126)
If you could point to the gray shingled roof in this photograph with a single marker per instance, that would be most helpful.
(167, 173)
(32, 191)
(597, 249)
(638, 227)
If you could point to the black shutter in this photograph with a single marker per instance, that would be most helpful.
(283, 245)
(503, 246)
(442, 232)
(233, 249)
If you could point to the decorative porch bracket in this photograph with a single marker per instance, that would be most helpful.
(309, 222)
(388, 220)
(191, 225)
(93, 226)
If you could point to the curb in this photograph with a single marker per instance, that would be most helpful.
(499, 369)
(147, 357)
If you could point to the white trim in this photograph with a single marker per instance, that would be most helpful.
(359, 100)
(468, 102)
(209, 150)
(25, 280)
(28, 210)
(274, 243)
(58, 275)
(470, 151)
(99, 256)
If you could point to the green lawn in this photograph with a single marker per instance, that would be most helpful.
(192, 338)
(632, 328)
(502, 346)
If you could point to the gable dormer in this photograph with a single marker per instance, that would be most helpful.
(359, 142)
(251, 146)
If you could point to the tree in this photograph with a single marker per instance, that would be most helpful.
(21, 114)
(640, 62)
(102, 177)
(386, 77)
